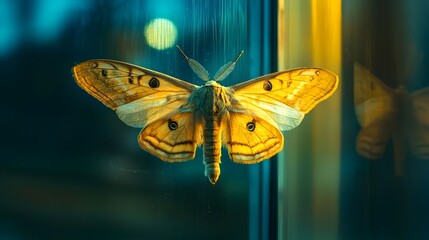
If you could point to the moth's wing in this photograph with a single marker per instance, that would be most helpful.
(250, 146)
(376, 111)
(419, 137)
(169, 144)
(138, 95)
(285, 97)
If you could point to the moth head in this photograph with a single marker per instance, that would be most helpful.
(211, 83)
(202, 73)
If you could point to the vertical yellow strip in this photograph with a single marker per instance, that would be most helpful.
(294, 51)
(326, 53)
(281, 32)
(281, 46)
(309, 34)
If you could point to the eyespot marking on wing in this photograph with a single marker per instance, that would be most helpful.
(250, 126)
(268, 86)
(172, 125)
(154, 82)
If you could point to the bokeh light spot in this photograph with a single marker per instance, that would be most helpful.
(160, 33)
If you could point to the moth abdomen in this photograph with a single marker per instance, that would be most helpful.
(212, 171)
(212, 150)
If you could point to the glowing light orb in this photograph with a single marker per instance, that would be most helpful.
(160, 33)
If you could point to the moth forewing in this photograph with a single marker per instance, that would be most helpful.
(301, 89)
(143, 111)
(116, 83)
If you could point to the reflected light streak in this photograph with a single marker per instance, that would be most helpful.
(310, 35)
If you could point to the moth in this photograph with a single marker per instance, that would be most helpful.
(386, 113)
(177, 116)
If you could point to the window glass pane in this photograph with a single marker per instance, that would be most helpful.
(69, 166)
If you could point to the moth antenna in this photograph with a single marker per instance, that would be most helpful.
(183, 53)
(239, 56)
(196, 66)
(226, 69)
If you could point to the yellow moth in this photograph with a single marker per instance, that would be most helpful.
(177, 116)
(386, 113)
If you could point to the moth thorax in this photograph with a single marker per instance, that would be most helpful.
(221, 101)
